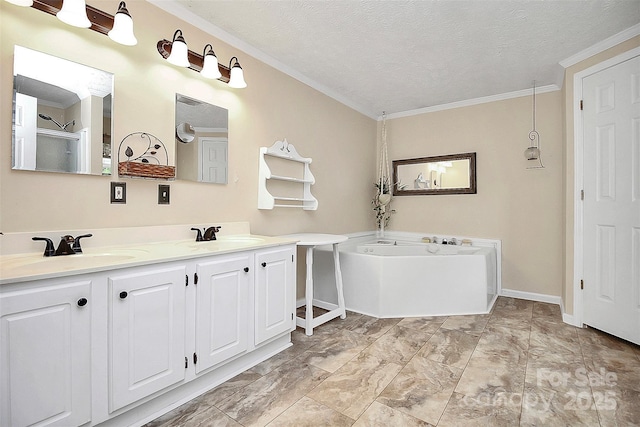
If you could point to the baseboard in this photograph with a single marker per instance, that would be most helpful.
(551, 299)
(570, 319)
(532, 296)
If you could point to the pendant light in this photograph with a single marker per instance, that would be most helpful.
(74, 12)
(122, 31)
(532, 153)
(236, 77)
(179, 52)
(210, 68)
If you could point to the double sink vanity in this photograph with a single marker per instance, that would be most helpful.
(119, 334)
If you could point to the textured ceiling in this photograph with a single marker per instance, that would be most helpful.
(398, 56)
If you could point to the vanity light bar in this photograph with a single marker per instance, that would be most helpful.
(101, 22)
(196, 60)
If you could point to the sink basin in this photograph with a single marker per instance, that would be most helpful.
(64, 260)
(222, 243)
(241, 239)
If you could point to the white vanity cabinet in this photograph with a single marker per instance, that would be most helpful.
(119, 346)
(146, 329)
(222, 287)
(45, 358)
(274, 298)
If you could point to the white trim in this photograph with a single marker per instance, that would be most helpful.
(605, 44)
(578, 177)
(571, 320)
(474, 101)
(532, 296)
(176, 9)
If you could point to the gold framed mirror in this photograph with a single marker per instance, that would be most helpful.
(448, 174)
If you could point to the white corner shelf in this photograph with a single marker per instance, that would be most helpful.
(266, 200)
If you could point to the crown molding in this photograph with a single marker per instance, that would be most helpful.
(605, 44)
(474, 101)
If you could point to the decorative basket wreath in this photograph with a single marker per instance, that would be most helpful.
(146, 156)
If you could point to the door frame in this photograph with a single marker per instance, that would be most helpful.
(578, 175)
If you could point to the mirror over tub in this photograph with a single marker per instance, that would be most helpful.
(61, 115)
(450, 174)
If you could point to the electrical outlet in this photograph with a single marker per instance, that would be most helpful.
(119, 192)
(163, 194)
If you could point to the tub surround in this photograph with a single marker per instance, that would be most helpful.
(404, 277)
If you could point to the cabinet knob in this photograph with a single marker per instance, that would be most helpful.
(264, 264)
(82, 302)
(246, 269)
(123, 294)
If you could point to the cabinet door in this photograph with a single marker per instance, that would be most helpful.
(222, 309)
(45, 360)
(146, 333)
(274, 293)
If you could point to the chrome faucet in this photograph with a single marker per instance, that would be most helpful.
(68, 245)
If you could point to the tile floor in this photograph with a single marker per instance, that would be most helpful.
(518, 365)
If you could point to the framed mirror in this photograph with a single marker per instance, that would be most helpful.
(202, 141)
(61, 115)
(450, 174)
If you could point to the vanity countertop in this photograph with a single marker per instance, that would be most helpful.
(30, 266)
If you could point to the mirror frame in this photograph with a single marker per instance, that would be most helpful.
(472, 189)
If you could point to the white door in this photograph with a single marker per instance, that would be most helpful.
(146, 333)
(222, 309)
(274, 293)
(213, 160)
(612, 200)
(45, 356)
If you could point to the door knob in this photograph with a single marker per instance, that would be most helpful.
(264, 264)
(123, 294)
(82, 302)
(246, 269)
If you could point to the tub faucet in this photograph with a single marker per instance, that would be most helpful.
(210, 233)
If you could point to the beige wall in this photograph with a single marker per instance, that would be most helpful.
(569, 135)
(340, 140)
(529, 210)
(521, 207)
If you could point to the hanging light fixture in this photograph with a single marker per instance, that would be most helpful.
(179, 52)
(25, 3)
(532, 153)
(236, 76)
(210, 68)
(122, 31)
(74, 12)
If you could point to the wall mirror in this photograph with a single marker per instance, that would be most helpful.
(202, 140)
(450, 174)
(61, 115)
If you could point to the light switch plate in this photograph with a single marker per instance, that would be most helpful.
(163, 194)
(119, 192)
